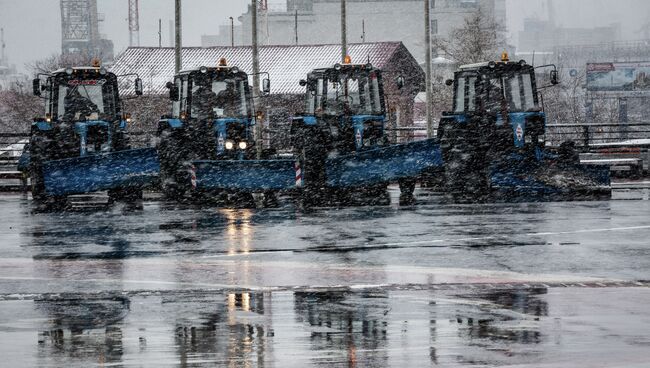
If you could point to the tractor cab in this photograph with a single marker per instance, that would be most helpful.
(493, 142)
(500, 101)
(214, 107)
(82, 144)
(347, 102)
(83, 110)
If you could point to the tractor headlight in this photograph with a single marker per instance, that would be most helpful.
(242, 145)
(230, 145)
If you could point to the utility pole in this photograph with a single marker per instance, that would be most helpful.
(295, 24)
(232, 32)
(179, 47)
(159, 32)
(2, 45)
(344, 42)
(363, 30)
(256, 78)
(134, 23)
(427, 59)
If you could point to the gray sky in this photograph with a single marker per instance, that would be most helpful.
(632, 14)
(33, 27)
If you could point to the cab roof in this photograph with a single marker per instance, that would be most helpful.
(344, 67)
(210, 68)
(497, 65)
(80, 69)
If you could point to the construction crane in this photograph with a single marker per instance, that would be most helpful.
(134, 23)
(80, 30)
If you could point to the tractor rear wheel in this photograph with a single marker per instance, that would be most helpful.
(465, 168)
(122, 143)
(174, 180)
(38, 155)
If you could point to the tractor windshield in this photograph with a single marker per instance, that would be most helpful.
(85, 99)
(513, 91)
(346, 94)
(217, 96)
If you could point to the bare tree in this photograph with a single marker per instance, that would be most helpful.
(58, 61)
(480, 38)
(18, 108)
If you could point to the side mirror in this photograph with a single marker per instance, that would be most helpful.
(554, 77)
(266, 86)
(36, 86)
(138, 87)
(400, 82)
(173, 91)
(303, 82)
(449, 82)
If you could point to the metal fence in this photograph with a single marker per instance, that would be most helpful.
(593, 139)
(592, 135)
(11, 147)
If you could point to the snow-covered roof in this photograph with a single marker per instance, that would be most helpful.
(441, 60)
(286, 64)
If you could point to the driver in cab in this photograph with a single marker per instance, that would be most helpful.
(77, 106)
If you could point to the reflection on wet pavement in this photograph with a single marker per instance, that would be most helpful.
(365, 328)
(529, 284)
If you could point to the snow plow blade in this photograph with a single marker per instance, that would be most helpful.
(246, 175)
(382, 165)
(115, 170)
(551, 179)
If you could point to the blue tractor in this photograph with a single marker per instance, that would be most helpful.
(340, 149)
(82, 144)
(341, 143)
(207, 144)
(493, 142)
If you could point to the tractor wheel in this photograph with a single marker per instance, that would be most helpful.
(312, 154)
(568, 153)
(170, 151)
(121, 142)
(38, 154)
(128, 195)
(465, 170)
(406, 189)
(379, 195)
(241, 199)
(271, 199)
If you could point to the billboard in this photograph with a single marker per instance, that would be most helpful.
(619, 77)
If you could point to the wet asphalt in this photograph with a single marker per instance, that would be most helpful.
(432, 284)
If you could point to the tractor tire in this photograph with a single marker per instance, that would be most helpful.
(121, 142)
(241, 199)
(406, 189)
(465, 169)
(38, 146)
(128, 195)
(312, 154)
(271, 199)
(568, 153)
(174, 184)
